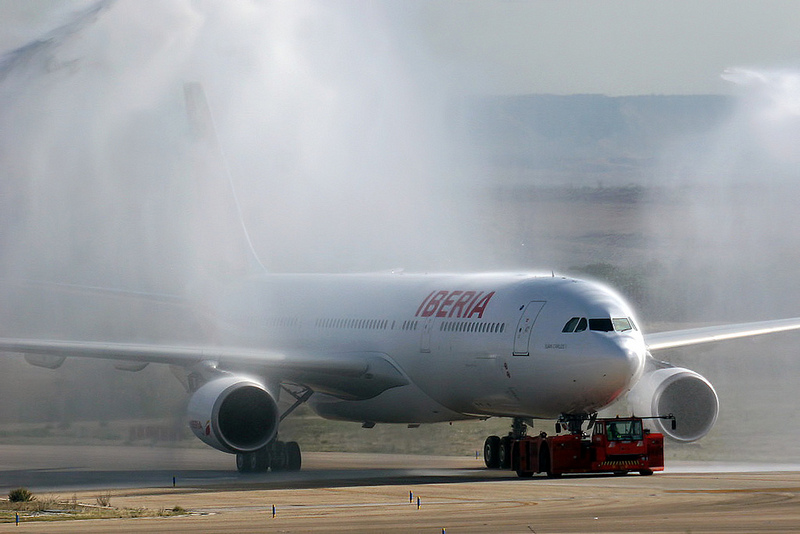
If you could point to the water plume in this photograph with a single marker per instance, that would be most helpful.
(730, 250)
(732, 233)
(333, 122)
(333, 119)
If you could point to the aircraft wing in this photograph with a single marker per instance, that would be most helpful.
(347, 374)
(696, 336)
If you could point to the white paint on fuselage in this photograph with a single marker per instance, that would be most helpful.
(458, 367)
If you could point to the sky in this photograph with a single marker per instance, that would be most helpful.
(621, 47)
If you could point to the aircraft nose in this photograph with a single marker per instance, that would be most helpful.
(622, 360)
(629, 354)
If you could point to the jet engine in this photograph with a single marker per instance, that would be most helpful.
(234, 414)
(680, 392)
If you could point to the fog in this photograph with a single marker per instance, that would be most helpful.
(332, 123)
(351, 147)
(734, 239)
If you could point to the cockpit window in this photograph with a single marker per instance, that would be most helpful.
(618, 324)
(622, 324)
(571, 324)
(576, 324)
(601, 325)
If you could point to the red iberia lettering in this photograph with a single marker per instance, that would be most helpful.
(433, 304)
(457, 304)
(480, 307)
(451, 298)
(460, 303)
(423, 303)
(471, 302)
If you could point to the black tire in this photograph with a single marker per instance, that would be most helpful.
(261, 462)
(293, 456)
(620, 473)
(278, 460)
(524, 474)
(645, 472)
(253, 463)
(491, 452)
(242, 462)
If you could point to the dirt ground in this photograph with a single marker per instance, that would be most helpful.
(749, 502)
(378, 493)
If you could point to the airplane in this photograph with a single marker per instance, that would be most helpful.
(409, 348)
(418, 348)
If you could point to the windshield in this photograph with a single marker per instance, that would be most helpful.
(625, 430)
(622, 324)
(603, 324)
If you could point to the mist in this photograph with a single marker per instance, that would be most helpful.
(734, 237)
(352, 147)
(728, 245)
(332, 123)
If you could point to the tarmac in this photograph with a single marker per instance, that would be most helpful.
(339, 492)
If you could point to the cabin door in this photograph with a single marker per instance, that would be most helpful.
(522, 337)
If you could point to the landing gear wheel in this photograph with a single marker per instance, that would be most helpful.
(278, 460)
(260, 462)
(252, 462)
(491, 452)
(242, 462)
(277, 456)
(293, 458)
(247, 462)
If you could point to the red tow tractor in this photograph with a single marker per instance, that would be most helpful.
(617, 445)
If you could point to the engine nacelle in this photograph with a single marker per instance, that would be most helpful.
(680, 392)
(234, 414)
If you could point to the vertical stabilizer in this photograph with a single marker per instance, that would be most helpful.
(222, 245)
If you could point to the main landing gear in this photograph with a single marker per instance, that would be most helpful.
(497, 450)
(276, 455)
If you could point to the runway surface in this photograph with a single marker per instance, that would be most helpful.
(370, 493)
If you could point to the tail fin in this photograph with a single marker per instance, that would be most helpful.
(221, 240)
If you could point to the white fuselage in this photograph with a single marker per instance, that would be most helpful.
(469, 345)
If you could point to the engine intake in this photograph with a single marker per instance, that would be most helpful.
(234, 414)
(681, 392)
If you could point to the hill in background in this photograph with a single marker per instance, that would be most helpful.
(583, 139)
